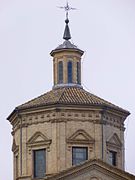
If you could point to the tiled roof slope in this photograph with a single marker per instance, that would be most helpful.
(68, 96)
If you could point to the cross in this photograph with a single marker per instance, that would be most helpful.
(67, 8)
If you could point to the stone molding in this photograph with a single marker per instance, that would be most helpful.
(68, 114)
(80, 137)
(24, 178)
(63, 116)
(54, 117)
(39, 139)
(88, 166)
(114, 142)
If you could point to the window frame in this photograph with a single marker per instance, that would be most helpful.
(78, 71)
(113, 158)
(80, 147)
(70, 72)
(33, 161)
(60, 72)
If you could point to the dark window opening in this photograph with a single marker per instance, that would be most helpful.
(78, 73)
(112, 157)
(39, 163)
(60, 72)
(79, 155)
(69, 72)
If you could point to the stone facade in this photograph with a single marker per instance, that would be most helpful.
(58, 130)
(65, 57)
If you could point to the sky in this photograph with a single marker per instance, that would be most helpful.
(30, 29)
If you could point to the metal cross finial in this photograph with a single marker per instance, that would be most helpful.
(67, 8)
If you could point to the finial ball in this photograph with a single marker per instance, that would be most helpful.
(67, 21)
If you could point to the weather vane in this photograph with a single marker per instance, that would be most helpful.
(67, 8)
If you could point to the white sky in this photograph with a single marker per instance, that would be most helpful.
(30, 29)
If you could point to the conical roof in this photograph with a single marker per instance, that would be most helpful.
(66, 45)
(68, 96)
(67, 34)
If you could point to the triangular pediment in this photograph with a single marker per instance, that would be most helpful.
(38, 138)
(80, 136)
(93, 170)
(114, 140)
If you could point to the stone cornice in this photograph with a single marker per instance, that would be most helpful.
(59, 107)
(64, 115)
(93, 164)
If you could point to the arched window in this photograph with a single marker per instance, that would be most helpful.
(69, 72)
(78, 73)
(60, 72)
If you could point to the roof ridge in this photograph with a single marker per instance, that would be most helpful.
(33, 99)
(61, 94)
(106, 101)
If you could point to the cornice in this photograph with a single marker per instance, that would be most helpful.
(63, 115)
(56, 107)
(89, 165)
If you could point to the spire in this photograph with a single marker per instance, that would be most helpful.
(67, 34)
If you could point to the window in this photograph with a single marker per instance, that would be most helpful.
(78, 73)
(60, 72)
(112, 157)
(79, 154)
(69, 72)
(39, 163)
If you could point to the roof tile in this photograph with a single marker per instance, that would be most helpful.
(69, 96)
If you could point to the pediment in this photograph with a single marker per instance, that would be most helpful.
(80, 136)
(114, 140)
(38, 138)
(93, 170)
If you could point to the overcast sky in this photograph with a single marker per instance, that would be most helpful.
(30, 29)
